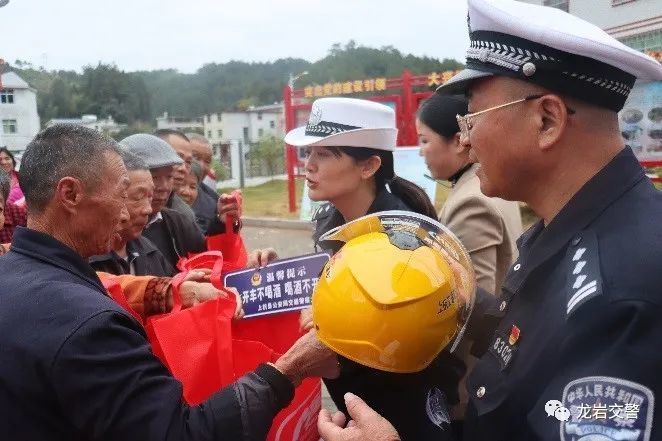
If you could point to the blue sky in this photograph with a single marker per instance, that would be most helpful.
(154, 34)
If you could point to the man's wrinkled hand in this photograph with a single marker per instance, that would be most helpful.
(261, 258)
(308, 357)
(365, 424)
(228, 206)
(306, 319)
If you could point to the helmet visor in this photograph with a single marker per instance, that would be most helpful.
(429, 232)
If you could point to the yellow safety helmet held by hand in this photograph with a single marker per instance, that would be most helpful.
(398, 292)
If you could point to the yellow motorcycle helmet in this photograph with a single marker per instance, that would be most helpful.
(398, 292)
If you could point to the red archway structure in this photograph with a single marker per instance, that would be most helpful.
(403, 93)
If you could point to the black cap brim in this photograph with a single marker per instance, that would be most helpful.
(459, 83)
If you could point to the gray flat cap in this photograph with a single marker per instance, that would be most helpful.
(151, 149)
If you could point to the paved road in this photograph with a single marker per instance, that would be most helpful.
(286, 242)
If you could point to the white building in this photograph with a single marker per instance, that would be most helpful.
(636, 23)
(18, 112)
(248, 126)
(107, 126)
(178, 123)
(233, 133)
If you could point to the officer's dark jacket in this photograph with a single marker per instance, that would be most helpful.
(75, 365)
(406, 400)
(579, 319)
(175, 236)
(146, 259)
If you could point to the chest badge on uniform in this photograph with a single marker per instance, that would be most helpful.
(514, 335)
(504, 346)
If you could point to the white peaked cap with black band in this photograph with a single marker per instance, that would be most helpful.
(553, 49)
(347, 122)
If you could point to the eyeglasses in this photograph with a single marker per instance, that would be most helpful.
(466, 122)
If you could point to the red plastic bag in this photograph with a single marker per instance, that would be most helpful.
(230, 243)
(196, 345)
(206, 350)
(271, 336)
(212, 260)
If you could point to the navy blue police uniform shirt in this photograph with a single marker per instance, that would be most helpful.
(416, 404)
(75, 365)
(576, 352)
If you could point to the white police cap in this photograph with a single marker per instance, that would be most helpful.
(551, 48)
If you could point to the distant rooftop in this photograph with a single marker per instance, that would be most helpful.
(11, 80)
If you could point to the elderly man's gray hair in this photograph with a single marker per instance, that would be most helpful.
(133, 162)
(59, 151)
(5, 185)
(197, 137)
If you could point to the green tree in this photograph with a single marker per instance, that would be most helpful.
(131, 97)
(269, 151)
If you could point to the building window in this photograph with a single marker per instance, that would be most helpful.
(648, 41)
(220, 133)
(560, 4)
(7, 96)
(9, 126)
(260, 133)
(259, 116)
(272, 124)
(245, 135)
(208, 133)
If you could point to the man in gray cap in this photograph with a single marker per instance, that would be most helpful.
(174, 234)
(570, 349)
(209, 209)
(181, 145)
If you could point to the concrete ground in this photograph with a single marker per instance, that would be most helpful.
(288, 243)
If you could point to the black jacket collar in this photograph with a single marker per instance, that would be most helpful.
(331, 218)
(540, 243)
(49, 250)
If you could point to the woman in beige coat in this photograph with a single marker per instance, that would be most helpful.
(488, 227)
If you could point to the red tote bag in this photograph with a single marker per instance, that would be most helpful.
(206, 350)
(230, 243)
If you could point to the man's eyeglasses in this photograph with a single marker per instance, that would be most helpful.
(466, 122)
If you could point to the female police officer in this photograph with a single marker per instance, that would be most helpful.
(350, 164)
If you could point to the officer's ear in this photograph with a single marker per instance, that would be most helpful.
(456, 146)
(551, 119)
(69, 193)
(370, 166)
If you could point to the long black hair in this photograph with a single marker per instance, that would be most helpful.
(438, 112)
(411, 194)
(11, 156)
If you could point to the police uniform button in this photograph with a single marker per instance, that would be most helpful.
(517, 267)
(480, 393)
(502, 306)
(576, 240)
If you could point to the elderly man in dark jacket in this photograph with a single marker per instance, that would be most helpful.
(132, 252)
(173, 233)
(76, 365)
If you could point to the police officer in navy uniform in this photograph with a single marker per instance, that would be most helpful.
(570, 349)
